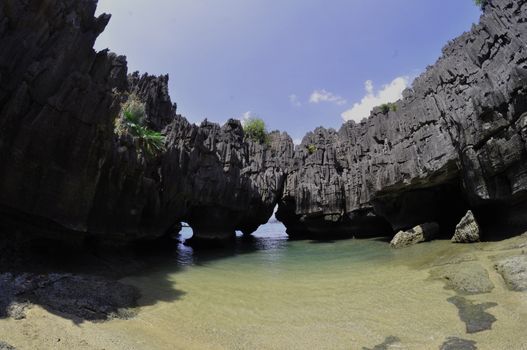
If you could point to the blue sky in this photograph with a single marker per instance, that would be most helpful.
(297, 64)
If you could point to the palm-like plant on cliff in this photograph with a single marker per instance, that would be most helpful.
(131, 121)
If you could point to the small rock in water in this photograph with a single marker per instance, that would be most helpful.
(418, 234)
(514, 272)
(465, 278)
(467, 231)
(474, 315)
(5, 346)
(454, 343)
(386, 345)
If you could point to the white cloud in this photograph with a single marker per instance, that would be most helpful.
(319, 96)
(293, 99)
(388, 93)
(296, 142)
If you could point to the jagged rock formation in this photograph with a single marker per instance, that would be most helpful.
(457, 140)
(66, 173)
(467, 231)
(418, 234)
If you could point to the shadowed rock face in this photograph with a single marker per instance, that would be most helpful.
(456, 140)
(64, 171)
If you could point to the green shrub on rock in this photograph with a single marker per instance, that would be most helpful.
(311, 148)
(254, 129)
(386, 107)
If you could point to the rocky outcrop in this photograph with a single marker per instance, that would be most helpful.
(65, 173)
(465, 278)
(5, 346)
(227, 183)
(467, 231)
(76, 296)
(514, 272)
(418, 234)
(457, 140)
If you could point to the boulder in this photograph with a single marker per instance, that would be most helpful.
(5, 346)
(514, 272)
(418, 234)
(465, 278)
(467, 231)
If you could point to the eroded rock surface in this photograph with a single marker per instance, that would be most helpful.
(457, 140)
(514, 272)
(465, 278)
(65, 173)
(5, 346)
(418, 234)
(467, 231)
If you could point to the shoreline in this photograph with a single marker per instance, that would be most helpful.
(420, 260)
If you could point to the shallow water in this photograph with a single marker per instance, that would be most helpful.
(272, 293)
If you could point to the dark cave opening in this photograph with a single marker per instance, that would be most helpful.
(444, 204)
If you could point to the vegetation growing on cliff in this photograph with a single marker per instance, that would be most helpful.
(131, 121)
(480, 3)
(386, 107)
(311, 148)
(254, 129)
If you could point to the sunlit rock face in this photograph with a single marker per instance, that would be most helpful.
(67, 174)
(456, 140)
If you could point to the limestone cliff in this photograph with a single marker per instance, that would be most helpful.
(66, 173)
(456, 140)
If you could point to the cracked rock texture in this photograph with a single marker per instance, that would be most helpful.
(456, 140)
(514, 272)
(467, 231)
(66, 174)
(418, 234)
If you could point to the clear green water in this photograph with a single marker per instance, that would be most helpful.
(279, 294)
(271, 293)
